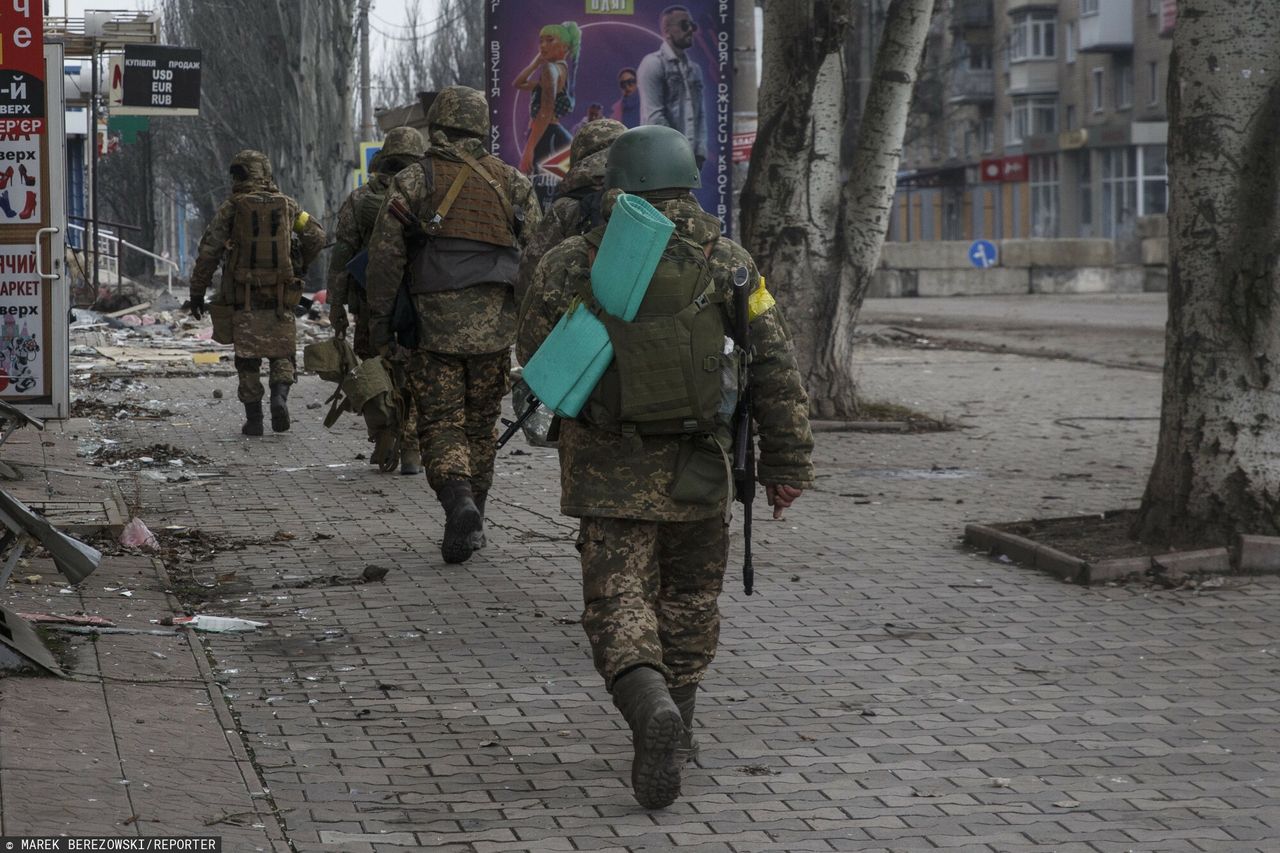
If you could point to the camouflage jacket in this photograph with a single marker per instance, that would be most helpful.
(564, 219)
(607, 474)
(349, 238)
(474, 320)
(213, 244)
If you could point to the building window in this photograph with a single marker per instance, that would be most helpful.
(1034, 116)
(988, 133)
(1088, 7)
(1097, 90)
(1153, 75)
(1071, 116)
(1153, 7)
(1044, 195)
(1071, 42)
(979, 58)
(1119, 191)
(1085, 172)
(1034, 36)
(1124, 83)
(1155, 180)
(1010, 135)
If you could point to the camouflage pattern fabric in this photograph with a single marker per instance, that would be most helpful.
(460, 108)
(649, 592)
(472, 321)
(408, 407)
(459, 400)
(605, 474)
(564, 218)
(594, 137)
(249, 372)
(349, 239)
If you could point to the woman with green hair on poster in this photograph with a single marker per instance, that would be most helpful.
(551, 80)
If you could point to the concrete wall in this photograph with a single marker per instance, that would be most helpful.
(942, 268)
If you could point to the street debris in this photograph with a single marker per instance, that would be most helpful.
(136, 534)
(214, 624)
(73, 619)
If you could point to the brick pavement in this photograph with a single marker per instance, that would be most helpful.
(884, 690)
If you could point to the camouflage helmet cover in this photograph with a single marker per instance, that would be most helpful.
(595, 136)
(651, 157)
(460, 108)
(254, 164)
(401, 142)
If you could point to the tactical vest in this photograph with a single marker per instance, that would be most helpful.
(261, 230)
(670, 373)
(366, 212)
(472, 228)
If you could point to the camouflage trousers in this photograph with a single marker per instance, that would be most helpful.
(649, 590)
(249, 370)
(459, 401)
(408, 407)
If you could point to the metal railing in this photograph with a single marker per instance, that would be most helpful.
(170, 266)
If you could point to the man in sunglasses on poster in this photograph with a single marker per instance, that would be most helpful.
(671, 84)
(627, 108)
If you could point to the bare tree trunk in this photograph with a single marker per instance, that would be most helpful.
(866, 203)
(790, 200)
(1217, 468)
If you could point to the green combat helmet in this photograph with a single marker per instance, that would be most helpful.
(250, 168)
(401, 143)
(460, 108)
(651, 158)
(595, 136)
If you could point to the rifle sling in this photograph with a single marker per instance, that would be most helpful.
(455, 189)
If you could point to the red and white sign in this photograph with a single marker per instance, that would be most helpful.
(20, 186)
(22, 327)
(742, 145)
(1168, 16)
(21, 67)
(1011, 169)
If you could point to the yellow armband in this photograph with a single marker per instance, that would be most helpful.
(300, 224)
(760, 301)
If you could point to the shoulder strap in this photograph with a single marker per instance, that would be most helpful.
(491, 181)
(455, 189)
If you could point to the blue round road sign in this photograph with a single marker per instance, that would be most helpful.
(983, 254)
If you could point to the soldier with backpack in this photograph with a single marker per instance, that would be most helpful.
(402, 147)
(457, 219)
(646, 465)
(264, 241)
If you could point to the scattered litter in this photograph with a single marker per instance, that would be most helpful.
(60, 619)
(205, 357)
(284, 536)
(29, 579)
(214, 624)
(488, 743)
(1067, 804)
(757, 770)
(217, 393)
(373, 573)
(136, 534)
(1001, 782)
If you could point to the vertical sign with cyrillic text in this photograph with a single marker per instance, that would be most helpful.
(22, 326)
(21, 67)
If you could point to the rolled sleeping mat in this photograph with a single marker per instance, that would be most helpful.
(565, 369)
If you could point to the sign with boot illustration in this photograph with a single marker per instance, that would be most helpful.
(20, 189)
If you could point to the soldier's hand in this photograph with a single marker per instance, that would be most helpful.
(197, 306)
(338, 319)
(781, 497)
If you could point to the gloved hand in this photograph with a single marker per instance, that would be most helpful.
(338, 319)
(197, 306)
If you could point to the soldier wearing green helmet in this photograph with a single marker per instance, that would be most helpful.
(401, 147)
(471, 215)
(653, 506)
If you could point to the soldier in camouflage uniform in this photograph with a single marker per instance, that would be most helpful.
(402, 147)
(653, 507)
(273, 282)
(576, 209)
(479, 212)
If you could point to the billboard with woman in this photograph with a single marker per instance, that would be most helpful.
(553, 65)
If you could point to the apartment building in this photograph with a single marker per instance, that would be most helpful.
(1038, 118)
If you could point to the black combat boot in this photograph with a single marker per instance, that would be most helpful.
(656, 734)
(252, 419)
(477, 539)
(462, 519)
(280, 407)
(684, 697)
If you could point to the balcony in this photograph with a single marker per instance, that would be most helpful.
(1037, 77)
(1015, 6)
(1108, 31)
(972, 14)
(969, 86)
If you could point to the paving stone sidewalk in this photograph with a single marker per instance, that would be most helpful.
(884, 689)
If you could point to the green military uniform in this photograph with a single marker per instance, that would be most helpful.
(356, 219)
(251, 179)
(653, 546)
(462, 289)
(576, 209)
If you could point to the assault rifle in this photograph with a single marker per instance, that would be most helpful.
(404, 319)
(512, 427)
(744, 453)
